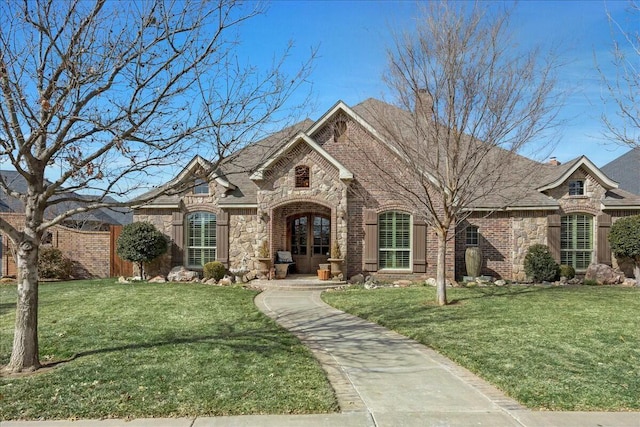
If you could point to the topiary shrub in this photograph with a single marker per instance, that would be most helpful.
(624, 238)
(52, 264)
(567, 271)
(539, 265)
(141, 242)
(214, 270)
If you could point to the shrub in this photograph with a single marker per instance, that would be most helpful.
(624, 238)
(214, 270)
(141, 242)
(539, 265)
(52, 264)
(567, 271)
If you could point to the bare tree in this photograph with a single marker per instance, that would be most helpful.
(624, 86)
(467, 101)
(103, 97)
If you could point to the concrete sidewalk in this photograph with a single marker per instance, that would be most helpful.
(381, 379)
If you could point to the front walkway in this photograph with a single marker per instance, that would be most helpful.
(396, 381)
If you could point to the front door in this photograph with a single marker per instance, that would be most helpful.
(310, 241)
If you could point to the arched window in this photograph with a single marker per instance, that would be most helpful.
(201, 239)
(302, 176)
(576, 240)
(394, 240)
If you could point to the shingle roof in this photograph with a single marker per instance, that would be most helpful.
(16, 182)
(626, 171)
(515, 192)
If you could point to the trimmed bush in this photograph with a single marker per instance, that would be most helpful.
(141, 242)
(567, 271)
(52, 264)
(539, 265)
(214, 270)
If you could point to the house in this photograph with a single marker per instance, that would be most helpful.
(626, 170)
(307, 186)
(86, 238)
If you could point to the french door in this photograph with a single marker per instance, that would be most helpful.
(310, 241)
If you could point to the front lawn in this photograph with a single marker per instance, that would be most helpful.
(158, 350)
(556, 348)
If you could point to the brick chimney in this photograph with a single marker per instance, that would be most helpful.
(553, 161)
(424, 101)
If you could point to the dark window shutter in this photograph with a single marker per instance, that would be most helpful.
(222, 238)
(604, 249)
(370, 240)
(553, 236)
(419, 247)
(177, 236)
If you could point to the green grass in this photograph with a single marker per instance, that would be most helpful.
(158, 350)
(555, 348)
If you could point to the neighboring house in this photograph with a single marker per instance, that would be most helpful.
(86, 238)
(305, 187)
(626, 170)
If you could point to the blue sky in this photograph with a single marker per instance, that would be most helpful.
(352, 37)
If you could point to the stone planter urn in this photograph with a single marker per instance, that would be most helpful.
(336, 266)
(473, 261)
(281, 270)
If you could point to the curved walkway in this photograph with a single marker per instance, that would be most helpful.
(391, 380)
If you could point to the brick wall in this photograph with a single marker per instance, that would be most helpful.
(90, 250)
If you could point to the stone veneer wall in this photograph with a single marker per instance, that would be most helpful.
(277, 191)
(162, 220)
(246, 233)
(529, 228)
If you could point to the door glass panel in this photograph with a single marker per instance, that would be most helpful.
(321, 235)
(299, 236)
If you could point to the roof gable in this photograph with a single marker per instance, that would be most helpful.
(573, 166)
(344, 173)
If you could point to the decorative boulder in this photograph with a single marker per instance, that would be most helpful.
(157, 279)
(604, 275)
(357, 279)
(181, 274)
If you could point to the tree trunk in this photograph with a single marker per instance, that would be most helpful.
(441, 280)
(24, 356)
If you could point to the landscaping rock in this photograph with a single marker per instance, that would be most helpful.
(181, 274)
(225, 281)
(574, 281)
(211, 281)
(402, 283)
(604, 275)
(357, 279)
(158, 279)
(628, 282)
(430, 281)
(121, 279)
(500, 282)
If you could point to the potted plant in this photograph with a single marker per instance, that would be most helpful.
(336, 260)
(264, 257)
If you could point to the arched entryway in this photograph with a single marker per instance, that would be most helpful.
(305, 229)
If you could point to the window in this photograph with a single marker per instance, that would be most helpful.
(472, 235)
(302, 176)
(201, 187)
(394, 240)
(576, 187)
(576, 240)
(201, 239)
